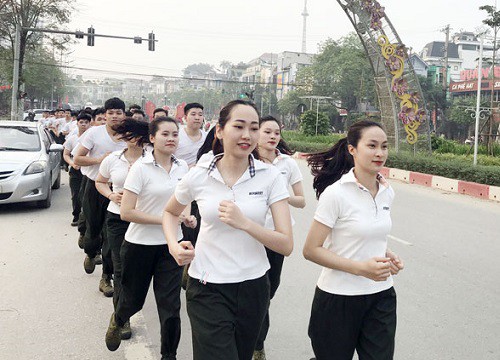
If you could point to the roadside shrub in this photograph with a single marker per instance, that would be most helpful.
(308, 123)
(454, 168)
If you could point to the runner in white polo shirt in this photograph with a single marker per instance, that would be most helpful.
(228, 289)
(191, 136)
(98, 143)
(75, 175)
(354, 307)
(114, 169)
(144, 253)
(274, 150)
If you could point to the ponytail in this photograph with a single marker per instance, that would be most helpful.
(328, 167)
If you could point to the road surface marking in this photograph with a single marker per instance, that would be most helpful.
(404, 242)
(139, 346)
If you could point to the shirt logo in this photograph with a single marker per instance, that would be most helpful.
(256, 193)
(386, 208)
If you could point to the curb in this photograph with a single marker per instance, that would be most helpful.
(481, 191)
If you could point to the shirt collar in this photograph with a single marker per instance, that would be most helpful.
(148, 158)
(351, 178)
(251, 164)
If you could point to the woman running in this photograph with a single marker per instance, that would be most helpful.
(113, 170)
(228, 290)
(144, 253)
(274, 150)
(354, 307)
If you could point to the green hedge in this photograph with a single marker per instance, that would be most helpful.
(444, 146)
(450, 168)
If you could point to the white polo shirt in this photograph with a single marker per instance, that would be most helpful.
(83, 169)
(154, 186)
(71, 142)
(360, 225)
(115, 167)
(98, 142)
(69, 126)
(188, 149)
(290, 171)
(224, 254)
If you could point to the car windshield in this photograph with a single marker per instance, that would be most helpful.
(19, 138)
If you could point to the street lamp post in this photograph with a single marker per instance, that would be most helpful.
(478, 100)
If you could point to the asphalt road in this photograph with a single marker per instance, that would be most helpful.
(448, 294)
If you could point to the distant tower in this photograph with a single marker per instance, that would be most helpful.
(304, 26)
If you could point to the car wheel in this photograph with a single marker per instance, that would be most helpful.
(57, 183)
(45, 204)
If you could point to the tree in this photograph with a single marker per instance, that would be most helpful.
(52, 13)
(493, 21)
(313, 123)
(340, 70)
(197, 70)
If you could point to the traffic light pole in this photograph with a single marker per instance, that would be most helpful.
(15, 113)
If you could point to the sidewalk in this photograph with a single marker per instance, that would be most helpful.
(481, 191)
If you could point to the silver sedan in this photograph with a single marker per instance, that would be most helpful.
(29, 163)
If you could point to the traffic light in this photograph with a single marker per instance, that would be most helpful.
(79, 34)
(241, 96)
(90, 36)
(151, 41)
(137, 40)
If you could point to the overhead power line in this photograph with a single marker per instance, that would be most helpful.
(157, 75)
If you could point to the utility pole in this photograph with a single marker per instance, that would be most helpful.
(445, 56)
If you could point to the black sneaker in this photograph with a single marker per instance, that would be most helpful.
(113, 335)
(74, 223)
(89, 264)
(98, 259)
(126, 331)
(105, 286)
(81, 241)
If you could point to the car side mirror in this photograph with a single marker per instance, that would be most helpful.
(55, 148)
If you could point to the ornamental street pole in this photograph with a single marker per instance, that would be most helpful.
(478, 100)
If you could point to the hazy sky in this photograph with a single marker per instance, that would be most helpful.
(193, 31)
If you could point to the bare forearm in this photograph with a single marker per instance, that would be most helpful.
(170, 227)
(139, 217)
(274, 240)
(297, 201)
(103, 189)
(86, 160)
(68, 159)
(329, 259)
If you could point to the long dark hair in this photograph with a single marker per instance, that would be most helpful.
(134, 129)
(224, 115)
(328, 167)
(282, 145)
(207, 144)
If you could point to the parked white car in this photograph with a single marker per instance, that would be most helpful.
(30, 163)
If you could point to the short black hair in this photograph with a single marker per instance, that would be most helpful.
(114, 103)
(139, 111)
(84, 116)
(98, 111)
(192, 106)
(157, 110)
(128, 113)
(134, 106)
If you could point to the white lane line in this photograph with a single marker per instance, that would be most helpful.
(139, 346)
(404, 242)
